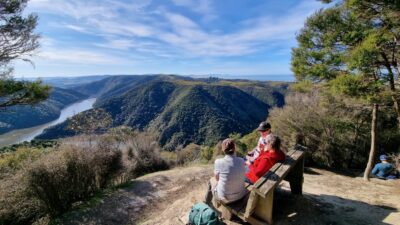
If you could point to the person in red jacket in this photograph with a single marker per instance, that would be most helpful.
(269, 156)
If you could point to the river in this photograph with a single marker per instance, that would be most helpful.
(28, 134)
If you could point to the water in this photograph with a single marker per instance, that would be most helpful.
(28, 134)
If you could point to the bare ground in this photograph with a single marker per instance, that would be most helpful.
(328, 198)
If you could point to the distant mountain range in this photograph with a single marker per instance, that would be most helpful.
(67, 82)
(17, 117)
(181, 110)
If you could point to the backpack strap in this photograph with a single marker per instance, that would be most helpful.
(201, 215)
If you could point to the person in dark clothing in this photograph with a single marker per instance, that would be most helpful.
(382, 170)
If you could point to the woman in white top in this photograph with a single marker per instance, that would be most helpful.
(228, 183)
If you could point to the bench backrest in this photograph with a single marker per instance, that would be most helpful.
(277, 173)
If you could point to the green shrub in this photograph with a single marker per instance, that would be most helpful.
(207, 153)
(13, 161)
(16, 203)
(169, 157)
(72, 174)
(191, 153)
(142, 154)
(17, 206)
(335, 129)
(35, 184)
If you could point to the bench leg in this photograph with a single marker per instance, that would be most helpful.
(295, 178)
(225, 213)
(251, 204)
(264, 207)
(296, 187)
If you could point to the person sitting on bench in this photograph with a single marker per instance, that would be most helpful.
(227, 185)
(265, 130)
(270, 155)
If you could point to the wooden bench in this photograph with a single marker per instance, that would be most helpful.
(256, 207)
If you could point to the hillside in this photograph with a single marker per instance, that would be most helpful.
(17, 117)
(68, 82)
(113, 85)
(183, 110)
(165, 198)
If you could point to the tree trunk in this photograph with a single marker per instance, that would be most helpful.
(372, 151)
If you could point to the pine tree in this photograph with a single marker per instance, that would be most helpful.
(354, 53)
(17, 41)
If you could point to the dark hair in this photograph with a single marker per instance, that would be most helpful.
(264, 126)
(228, 146)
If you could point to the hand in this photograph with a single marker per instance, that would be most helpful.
(248, 162)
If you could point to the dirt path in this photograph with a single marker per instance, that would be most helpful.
(331, 199)
(147, 197)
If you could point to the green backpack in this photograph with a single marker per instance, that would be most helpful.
(202, 214)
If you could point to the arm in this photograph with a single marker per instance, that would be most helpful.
(216, 170)
(248, 163)
(262, 166)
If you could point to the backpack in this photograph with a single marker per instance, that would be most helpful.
(202, 214)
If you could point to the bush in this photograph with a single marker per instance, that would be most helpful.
(207, 153)
(17, 206)
(16, 203)
(72, 174)
(191, 153)
(14, 161)
(37, 144)
(170, 158)
(36, 183)
(336, 130)
(142, 154)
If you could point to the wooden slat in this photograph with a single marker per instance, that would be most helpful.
(249, 187)
(272, 170)
(280, 173)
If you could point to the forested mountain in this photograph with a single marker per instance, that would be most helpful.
(17, 117)
(182, 110)
(113, 85)
(68, 82)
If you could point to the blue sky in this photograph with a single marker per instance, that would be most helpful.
(186, 37)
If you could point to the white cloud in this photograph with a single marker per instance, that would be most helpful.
(76, 28)
(133, 25)
(79, 56)
(75, 9)
(120, 44)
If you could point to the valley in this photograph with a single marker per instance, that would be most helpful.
(28, 134)
(181, 110)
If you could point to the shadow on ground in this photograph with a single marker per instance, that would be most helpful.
(326, 210)
(312, 209)
(121, 208)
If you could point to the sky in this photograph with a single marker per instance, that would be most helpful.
(184, 37)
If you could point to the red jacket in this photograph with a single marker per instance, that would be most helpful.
(263, 163)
